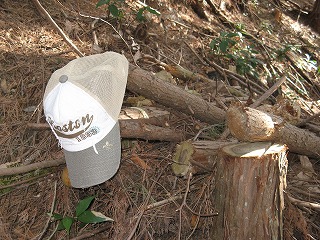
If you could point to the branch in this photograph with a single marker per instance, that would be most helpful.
(31, 167)
(44, 12)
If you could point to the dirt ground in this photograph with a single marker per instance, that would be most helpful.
(31, 49)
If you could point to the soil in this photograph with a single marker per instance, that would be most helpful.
(177, 208)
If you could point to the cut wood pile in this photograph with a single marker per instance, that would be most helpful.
(229, 157)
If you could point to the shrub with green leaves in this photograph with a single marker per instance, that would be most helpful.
(231, 45)
(114, 8)
(82, 215)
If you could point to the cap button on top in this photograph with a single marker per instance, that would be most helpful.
(63, 78)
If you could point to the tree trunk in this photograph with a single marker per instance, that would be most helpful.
(250, 181)
(315, 16)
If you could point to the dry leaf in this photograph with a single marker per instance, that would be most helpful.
(277, 15)
(65, 177)
(137, 160)
(4, 86)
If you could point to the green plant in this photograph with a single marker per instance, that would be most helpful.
(114, 8)
(82, 215)
(231, 46)
(140, 16)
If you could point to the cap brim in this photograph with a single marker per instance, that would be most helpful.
(95, 164)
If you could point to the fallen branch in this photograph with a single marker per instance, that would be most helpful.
(31, 167)
(134, 129)
(44, 12)
(91, 234)
(248, 124)
(300, 203)
(143, 123)
(146, 84)
(268, 92)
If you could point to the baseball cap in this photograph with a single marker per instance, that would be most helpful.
(82, 103)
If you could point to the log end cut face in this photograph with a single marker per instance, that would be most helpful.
(256, 149)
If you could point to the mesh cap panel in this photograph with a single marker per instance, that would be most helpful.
(103, 76)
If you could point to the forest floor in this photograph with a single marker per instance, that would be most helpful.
(31, 49)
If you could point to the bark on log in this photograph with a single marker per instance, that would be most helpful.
(250, 181)
(144, 123)
(136, 129)
(248, 124)
(196, 157)
(146, 84)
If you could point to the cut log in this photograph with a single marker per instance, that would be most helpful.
(250, 181)
(144, 123)
(140, 130)
(248, 124)
(149, 115)
(196, 157)
(169, 95)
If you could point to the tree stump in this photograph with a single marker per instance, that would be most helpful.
(196, 157)
(250, 181)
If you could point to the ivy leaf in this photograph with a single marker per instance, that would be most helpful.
(83, 205)
(67, 222)
(102, 2)
(93, 217)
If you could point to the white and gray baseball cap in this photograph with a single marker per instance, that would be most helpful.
(82, 103)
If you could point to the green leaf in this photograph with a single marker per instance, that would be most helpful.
(83, 205)
(213, 44)
(223, 46)
(230, 56)
(102, 2)
(56, 216)
(67, 222)
(139, 15)
(114, 10)
(60, 226)
(230, 35)
(93, 217)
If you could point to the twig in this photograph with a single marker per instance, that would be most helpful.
(268, 92)
(304, 122)
(31, 167)
(163, 202)
(53, 23)
(22, 182)
(237, 77)
(113, 28)
(305, 193)
(91, 234)
(301, 203)
(51, 211)
(144, 207)
(196, 54)
(184, 203)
